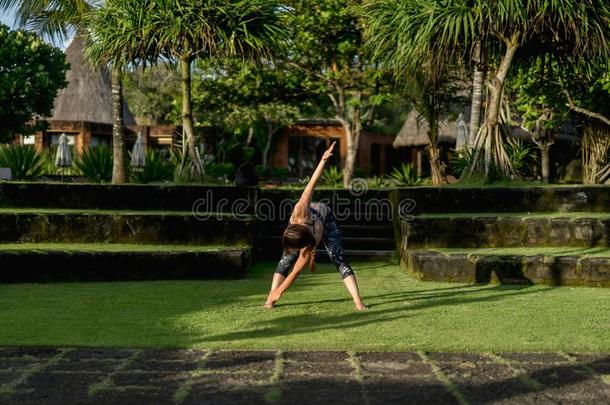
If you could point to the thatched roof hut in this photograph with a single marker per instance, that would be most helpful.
(414, 132)
(88, 96)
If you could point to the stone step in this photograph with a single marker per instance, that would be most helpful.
(111, 262)
(370, 230)
(273, 243)
(507, 230)
(122, 226)
(459, 198)
(553, 266)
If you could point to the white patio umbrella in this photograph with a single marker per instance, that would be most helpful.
(63, 157)
(138, 153)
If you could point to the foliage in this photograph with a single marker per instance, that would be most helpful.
(377, 182)
(275, 173)
(460, 161)
(55, 20)
(157, 169)
(326, 50)
(95, 164)
(220, 170)
(521, 155)
(407, 34)
(31, 73)
(25, 162)
(405, 176)
(332, 177)
(152, 94)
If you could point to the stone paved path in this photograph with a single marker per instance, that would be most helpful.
(109, 376)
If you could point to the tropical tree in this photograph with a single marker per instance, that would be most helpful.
(258, 99)
(327, 50)
(185, 30)
(106, 45)
(410, 32)
(32, 73)
(57, 20)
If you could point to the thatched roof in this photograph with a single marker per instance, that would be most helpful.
(87, 97)
(414, 132)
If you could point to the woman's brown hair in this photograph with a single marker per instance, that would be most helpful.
(297, 237)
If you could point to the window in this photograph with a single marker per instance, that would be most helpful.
(304, 153)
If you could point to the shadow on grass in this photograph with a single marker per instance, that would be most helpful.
(311, 322)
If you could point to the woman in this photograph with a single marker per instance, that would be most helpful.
(309, 224)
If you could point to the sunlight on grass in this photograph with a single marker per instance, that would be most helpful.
(316, 314)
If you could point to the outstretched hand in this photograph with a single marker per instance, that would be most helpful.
(329, 152)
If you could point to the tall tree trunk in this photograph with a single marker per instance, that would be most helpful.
(352, 136)
(187, 116)
(477, 95)
(545, 161)
(435, 154)
(490, 138)
(118, 128)
(267, 147)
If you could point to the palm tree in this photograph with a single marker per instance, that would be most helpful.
(107, 45)
(183, 30)
(56, 20)
(407, 33)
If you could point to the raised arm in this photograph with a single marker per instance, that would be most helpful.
(308, 192)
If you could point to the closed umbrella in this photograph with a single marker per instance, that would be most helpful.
(63, 157)
(138, 153)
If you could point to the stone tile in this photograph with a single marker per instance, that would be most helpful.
(43, 353)
(161, 366)
(317, 356)
(52, 388)
(535, 357)
(243, 395)
(149, 379)
(8, 376)
(392, 368)
(260, 362)
(393, 357)
(467, 371)
(16, 363)
(303, 367)
(102, 366)
(172, 355)
(459, 357)
(406, 390)
(98, 354)
(315, 389)
(132, 397)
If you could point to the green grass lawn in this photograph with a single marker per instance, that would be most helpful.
(315, 314)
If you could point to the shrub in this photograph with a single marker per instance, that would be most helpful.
(377, 182)
(273, 172)
(461, 161)
(25, 162)
(157, 168)
(220, 170)
(95, 164)
(333, 177)
(405, 176)
(521, 156)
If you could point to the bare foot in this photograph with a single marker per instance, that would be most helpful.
(269, 304)
(361, 307)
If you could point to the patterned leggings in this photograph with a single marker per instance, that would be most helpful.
(334, 246)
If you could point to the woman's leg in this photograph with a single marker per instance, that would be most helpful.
(334, 247)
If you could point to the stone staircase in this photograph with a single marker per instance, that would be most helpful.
(564, 239)
(55, 232)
